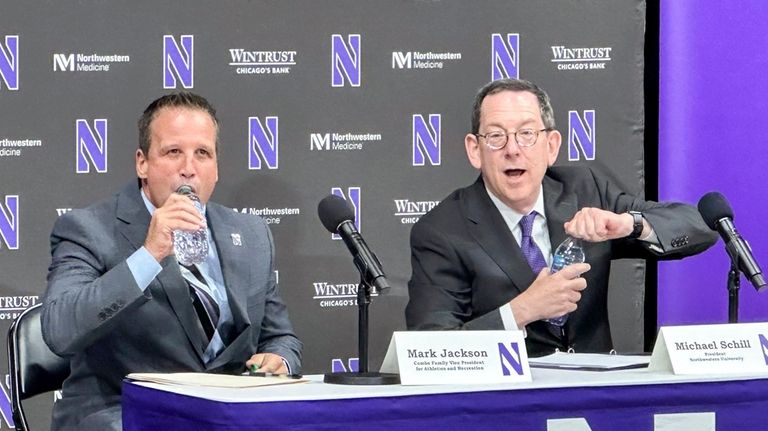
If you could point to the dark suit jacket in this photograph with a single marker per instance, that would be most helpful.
(466, 263)
(95, 314)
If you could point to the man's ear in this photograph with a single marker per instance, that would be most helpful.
(141, 164)
(472, 146)
(554, 139)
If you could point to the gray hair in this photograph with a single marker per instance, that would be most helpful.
(493, 87)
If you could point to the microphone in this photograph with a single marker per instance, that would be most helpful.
(338, 217)
(717, 213)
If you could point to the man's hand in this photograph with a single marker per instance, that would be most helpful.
(595, 225)
(267, 363)
(177, 213)
(550, 295)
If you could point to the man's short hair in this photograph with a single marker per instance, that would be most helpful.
(181, 99)
(493, 87)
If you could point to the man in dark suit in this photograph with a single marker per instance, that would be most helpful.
(117, 301)
(481, 258)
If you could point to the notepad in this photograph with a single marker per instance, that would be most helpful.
(590, 361)
(211, 380)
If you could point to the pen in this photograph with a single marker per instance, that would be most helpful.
(252, 372)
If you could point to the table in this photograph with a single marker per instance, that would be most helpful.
(556, 400)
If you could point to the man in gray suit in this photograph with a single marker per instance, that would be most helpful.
(481, 258)
(117, 301)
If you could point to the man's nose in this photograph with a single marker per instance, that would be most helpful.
(188, 167)
(512, 149)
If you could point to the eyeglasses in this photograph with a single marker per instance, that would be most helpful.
(523, 137)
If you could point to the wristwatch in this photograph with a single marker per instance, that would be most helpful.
(637, 224)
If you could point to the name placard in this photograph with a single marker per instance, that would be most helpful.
(735, 348)
(457, 357)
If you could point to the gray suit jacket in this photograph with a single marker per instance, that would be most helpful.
(466, 263)
(95, 314)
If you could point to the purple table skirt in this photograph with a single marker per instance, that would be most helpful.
(738, 406)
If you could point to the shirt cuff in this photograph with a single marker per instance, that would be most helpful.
(651, 237)
(652, 240)
(144, 267)
(508, 319)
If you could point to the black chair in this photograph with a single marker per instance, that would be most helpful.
(33, 368)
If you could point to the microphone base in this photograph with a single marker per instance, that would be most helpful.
(369, 378)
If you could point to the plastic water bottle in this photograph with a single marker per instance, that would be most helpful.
(568, 252)
(190, 247)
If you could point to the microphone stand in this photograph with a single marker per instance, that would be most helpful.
(362, 376)
(733, 290)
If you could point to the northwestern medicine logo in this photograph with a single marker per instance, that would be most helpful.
(510, 360)
(581, 135)
(353, 198)
(422, 60)
(91, 146)
(338, 141)
(86, 62)
(504, 56)
(9, 222)
(268, 214)
(263, 142)
(9, 62)
(178, 61)
(345, 60)
(426, 140)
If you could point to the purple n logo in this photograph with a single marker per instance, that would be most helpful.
(581, 135)
(504, 56)
(5, 403)
(426, 140)
(764, 347)
(353, 197)
(263, 143)
(9, 222)
(9, 62)
(178, 61)
(90, 147)
(345, 60)
(337, 365)
(510, 360)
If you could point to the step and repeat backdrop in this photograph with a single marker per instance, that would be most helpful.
(368, 100)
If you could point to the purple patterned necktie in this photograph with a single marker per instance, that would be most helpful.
(534, 256)
(531, 251)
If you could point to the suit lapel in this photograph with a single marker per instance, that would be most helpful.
(232, 249)
(560, 207)
(135, 217)
(490, 230)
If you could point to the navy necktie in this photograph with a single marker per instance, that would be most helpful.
(530, 250)
(205, 306)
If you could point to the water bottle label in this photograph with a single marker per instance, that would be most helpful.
(558, 262)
